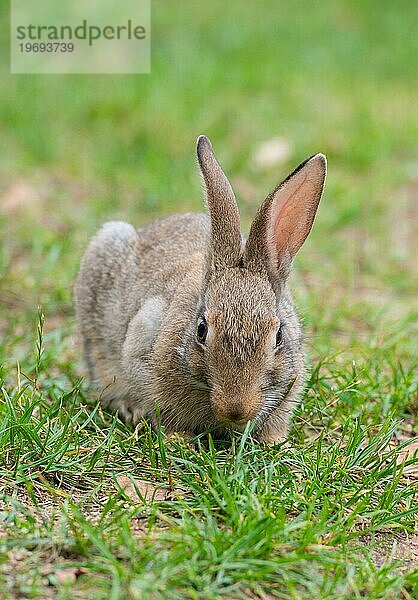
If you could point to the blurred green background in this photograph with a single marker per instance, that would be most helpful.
(333, 76)
(270, 83)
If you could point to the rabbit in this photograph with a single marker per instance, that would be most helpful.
(190, 326)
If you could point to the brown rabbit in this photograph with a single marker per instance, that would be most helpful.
(188, 316)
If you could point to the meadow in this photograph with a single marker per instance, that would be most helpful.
(93, 509)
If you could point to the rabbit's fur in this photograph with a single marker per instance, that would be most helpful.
(184, 314)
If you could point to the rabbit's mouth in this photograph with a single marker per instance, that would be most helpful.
(237, 425)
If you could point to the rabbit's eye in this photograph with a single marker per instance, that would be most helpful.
(279, 337)
(202, 330)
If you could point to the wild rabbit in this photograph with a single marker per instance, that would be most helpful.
(187, 316)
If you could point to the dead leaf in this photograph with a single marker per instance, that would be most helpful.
(406, 454)
(142, 491)
(67, 576)
(272, 152)
(259, 595)
(408, 549)
(387, 547)
(19, 196)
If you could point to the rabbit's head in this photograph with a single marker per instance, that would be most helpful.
(245, 341)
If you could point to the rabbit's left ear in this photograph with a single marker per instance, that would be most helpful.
(285, 219)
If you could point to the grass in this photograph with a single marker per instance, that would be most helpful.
(332, 515)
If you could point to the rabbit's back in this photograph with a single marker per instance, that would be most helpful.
(129, 274)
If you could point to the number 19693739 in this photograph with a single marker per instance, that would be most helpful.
(47, 47)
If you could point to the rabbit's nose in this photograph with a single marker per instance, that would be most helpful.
(234, 416)
(234, 409)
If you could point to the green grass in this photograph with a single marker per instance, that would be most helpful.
(332, 515)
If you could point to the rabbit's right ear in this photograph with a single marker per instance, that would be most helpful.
(226, 239)
(285, 220)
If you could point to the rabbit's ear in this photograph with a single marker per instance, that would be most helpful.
(285, 219)
(226, 237)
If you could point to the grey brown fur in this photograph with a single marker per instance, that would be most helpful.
(141, 294)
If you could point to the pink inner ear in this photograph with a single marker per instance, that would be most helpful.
(287, 220)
